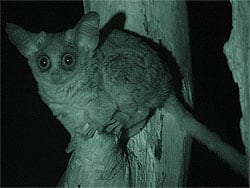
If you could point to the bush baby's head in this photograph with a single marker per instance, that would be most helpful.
(57, 58)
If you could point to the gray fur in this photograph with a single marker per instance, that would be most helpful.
(111, 87)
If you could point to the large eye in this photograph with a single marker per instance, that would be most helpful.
(68, 61)
(44, 63)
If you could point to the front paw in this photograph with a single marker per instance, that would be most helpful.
(72, 145)
(114, 126)
(87, 131)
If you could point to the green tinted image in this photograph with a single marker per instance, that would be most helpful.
(122, 88)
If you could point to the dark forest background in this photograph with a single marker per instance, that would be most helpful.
(33, 141)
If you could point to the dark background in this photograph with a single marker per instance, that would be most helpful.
(33, 142)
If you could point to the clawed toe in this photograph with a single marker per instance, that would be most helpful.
(114, 127)
(87, 131)
(89, 134)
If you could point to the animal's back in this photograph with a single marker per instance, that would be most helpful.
(134, 71)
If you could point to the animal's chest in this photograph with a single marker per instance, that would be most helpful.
(93, 107)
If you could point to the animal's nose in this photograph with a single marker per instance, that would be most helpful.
(56, 77)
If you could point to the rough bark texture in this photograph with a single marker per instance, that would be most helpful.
(96, 162)
(237, 50)
(159, 155)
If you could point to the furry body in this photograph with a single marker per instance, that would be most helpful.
(109, 87)
(118, 83)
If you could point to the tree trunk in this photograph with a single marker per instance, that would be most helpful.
(237, 51)
(159, 155)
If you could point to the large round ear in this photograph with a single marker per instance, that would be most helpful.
(25, 41)
(87, 31)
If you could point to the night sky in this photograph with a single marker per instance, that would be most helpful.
(33, 141)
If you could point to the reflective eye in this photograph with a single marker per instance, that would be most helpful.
(68, 61)
(44, 63)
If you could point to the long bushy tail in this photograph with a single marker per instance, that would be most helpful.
(201, 133)
(235, 159)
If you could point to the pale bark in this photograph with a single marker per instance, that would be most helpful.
(159, 155)
(237, 51)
